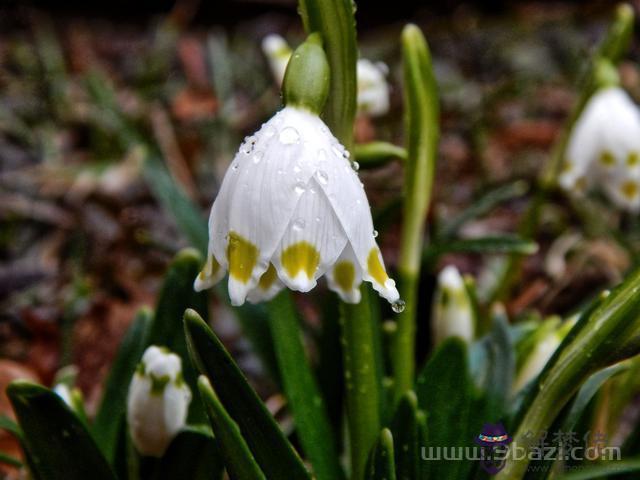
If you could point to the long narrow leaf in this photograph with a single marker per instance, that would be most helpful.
(381, 461)
(57, 442)
(192, 455)
(307, 405)
(272, 451)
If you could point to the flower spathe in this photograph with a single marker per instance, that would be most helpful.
(158, 401)
(604, 149)
(291, 209)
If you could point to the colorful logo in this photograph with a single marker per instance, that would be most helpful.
(493, 440)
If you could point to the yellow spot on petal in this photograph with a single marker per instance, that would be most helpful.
(267, 278)
(242, 255)
(629, 189)
(300, 256)
(633, 159)
(344, 273)
(375, 268)
(606, 158)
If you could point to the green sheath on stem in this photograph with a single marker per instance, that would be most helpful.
(421, 130)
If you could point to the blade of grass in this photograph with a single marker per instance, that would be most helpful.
(381, 462)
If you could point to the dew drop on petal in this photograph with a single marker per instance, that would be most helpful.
(375, 234)
(323, 177)
(289, 135)
(398, 306)
(355, 165)
(269, 132)
(235, 166)
(299, 224)
(257, 156)
(249, 144)
(318, 219)
(322, 156)
(296, 169)
(280, 171)
(300, 188)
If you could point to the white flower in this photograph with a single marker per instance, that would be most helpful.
(278, 53)
(373, 90)
(604, 149)
(452, 312)
(290, 209)
(158, 401)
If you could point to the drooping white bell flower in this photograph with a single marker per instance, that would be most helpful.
(452, 311)
(373, 89)
(158, 401)
(604, 149)
(278, 53)
(291, 208)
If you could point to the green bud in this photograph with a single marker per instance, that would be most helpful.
(306, 81)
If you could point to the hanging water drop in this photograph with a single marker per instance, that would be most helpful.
(289, 135)
(375, 234)
(299, 224)
(355, 165)
(398, 306)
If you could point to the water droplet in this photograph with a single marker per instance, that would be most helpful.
(269, 132)
(300, 188)
(235, 166)
(324, 129)
(398, 306)
(249, 144)
(296, 169)
(323, 177)
(318, 219)
(299, 224)
(280, 171)
(375, 234)
(355, 165)
(257, 156)
(289, 135)
(322, 156)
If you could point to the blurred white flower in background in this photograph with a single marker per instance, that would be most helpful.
(604, 150)
(158, 401)
(291, 208)
(373, 89)
(452, 309)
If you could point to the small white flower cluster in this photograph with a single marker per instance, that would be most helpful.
(158, 401)
(452, 310)
(604, 150)
(373, 89)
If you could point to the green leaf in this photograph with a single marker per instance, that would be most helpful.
(173, 199)
(492, 244)
(114, 399)
(307, 405)
(10, 460)
(334, 20)
(448, 407)
(272, 451)
(58, 444)
(191, 455)
(177, 294)
(605, 470)
(406, 434)
(374, 154)
(361, 377)
(422, 131)
(599, 339)
(239, 461)
(483, 205)
(10, 426)
(381, 461)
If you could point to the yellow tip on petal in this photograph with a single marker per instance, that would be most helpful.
(344, 273)
(606, 158)
(243, 256)
(300, 256)
(629, 189)
(633, 159)
(268, 278)
(375, 268)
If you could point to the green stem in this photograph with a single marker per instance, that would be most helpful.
(421, 127)
(604, 337)
(362, 392)
(307, 405)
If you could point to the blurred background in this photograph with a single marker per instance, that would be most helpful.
(103, 104)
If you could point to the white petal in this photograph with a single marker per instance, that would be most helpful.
(349, 201)
(312, 242)
(268, 287)
(345, 276)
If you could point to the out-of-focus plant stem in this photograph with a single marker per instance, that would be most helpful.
(604, 336)
(421, 130)
(611, 49)
(335, 21)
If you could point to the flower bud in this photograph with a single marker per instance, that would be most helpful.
(158, 401)
(452, 310)
(278, 53)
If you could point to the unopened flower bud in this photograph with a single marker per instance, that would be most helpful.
(452, 311)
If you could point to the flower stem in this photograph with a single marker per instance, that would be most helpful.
(421, 130)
